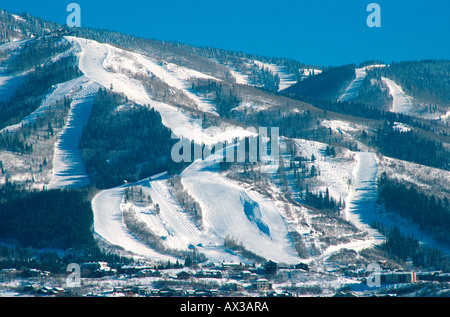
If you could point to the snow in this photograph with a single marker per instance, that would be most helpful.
(95, 57)
(14, 45)
(18, 18)
(310, 71)
(429, 179)
(401, 127)
(240, 78)
(58, 93)
(286, 79)
(446, 116)
(230, 210)
(340, 127)
(175, 76)
(401, 103)
(353, 88)
(109, 224)
(361, 203)
(334, 172)
(68, 163)
(9, 85)
(219, 219)
(360, 170)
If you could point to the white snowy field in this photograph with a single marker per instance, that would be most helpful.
(402, 103)
(353, 88)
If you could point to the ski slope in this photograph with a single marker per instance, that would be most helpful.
(95, 61)
(353, 88)
(95, 58)
(335, 173)
(361, 203)
(175, 76)
(9, 85)
(57, 94)
(228, 211)
(286, 79)
(246, 215)
(401, 103)
(68, 164)
(109, 225)
(240, 78)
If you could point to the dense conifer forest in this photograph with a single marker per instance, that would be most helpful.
(425, 80)
(325, 85)
(58, 219)
(431, 213)
(36, 85)
(124, 144)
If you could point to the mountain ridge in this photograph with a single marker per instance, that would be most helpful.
(305, 204)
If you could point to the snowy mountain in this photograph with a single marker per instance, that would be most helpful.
(315, 200)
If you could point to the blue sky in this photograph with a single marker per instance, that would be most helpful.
(319, 32)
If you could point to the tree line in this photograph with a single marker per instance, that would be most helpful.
(411, 146)
(59, 219)
(324, 86)
(128, 144)
(424, 79)
(36, 52)
(32, 91)
(223, 96)
(403, 248)
(431, 213)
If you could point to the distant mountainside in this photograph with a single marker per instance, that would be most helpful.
(19, 27)
(142, 134)
(427, 81)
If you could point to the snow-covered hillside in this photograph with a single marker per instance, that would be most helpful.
(262, 208)
(353, 88)
(228, 211)
(97, 62)
(68, 164)
(402, 103)
(286, 79)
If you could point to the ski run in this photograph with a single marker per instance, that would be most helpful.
(229, 209)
